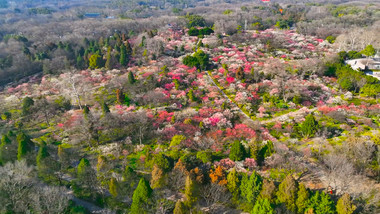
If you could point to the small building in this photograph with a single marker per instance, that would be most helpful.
(364, 64)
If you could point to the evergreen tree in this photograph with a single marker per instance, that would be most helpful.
(302, 198)
(180, 208)
(157, 180)
(24, 145)
(190, 95)
(237, 152)
(190, 192)
(80, 62)
(262, 206)
(83, 167)
(95, 61)
(86, 111)
(287, 191)
(105, 108)
(233, 182)
(268, 191)
(344, 205)
(131, 78)
(42, 154)
(113, 187)
(27, 103)
(250, 188)
(140, 198)
(5, 150)
(123, 56)
(309, 127)
(321, 203)
(108, 59)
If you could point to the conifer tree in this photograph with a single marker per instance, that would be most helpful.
(180, 208)
(5, 151)
(42, 154)
(233, 183)
(309, 127)
(140, 198)
(27, 103)
(344, 205)
(24, 145)
(131, 78)
(86, 111)
(157, 177)
(237, 152)
(302, 198)
(105, 108)
(80, 62)
(321, 203)
(123, 56)
(262, 206)
(268, 191)
(113, 187)
(190, 192)
(83, 167)
(108, 59)
(287, 191)
(250, 187)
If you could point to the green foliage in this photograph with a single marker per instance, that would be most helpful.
(83, 167)
(321, 203)
(42, 154)
(309, 127)
(266, 151)
(113, 187)
(262, 206)
(131, 78)
(369, 50)
(370, 90)
(163, 162)
(344, 205)
(268, 191)
(176, 140)
(193, 31)
(284, 24)
(108, 65)
(195, 20)
(250, 187)
(141, 197)
(233, 182)
(190, 95)
(180, 208)
(331, 39)
(199, 60)
(237, 152)
(190, 192)
(27, 103)
(105, 108)
(205, 156)
(25, 145)
(287, 191)
(302, 198)
(176, 10)
(227, 12)
(95, 61)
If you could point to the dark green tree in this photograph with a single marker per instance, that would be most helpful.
(105, 108)
(123, 55)
(27, 103)
(131, 78)
(309, 127)
(237, 152)
(108, 59)
(25, 145)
